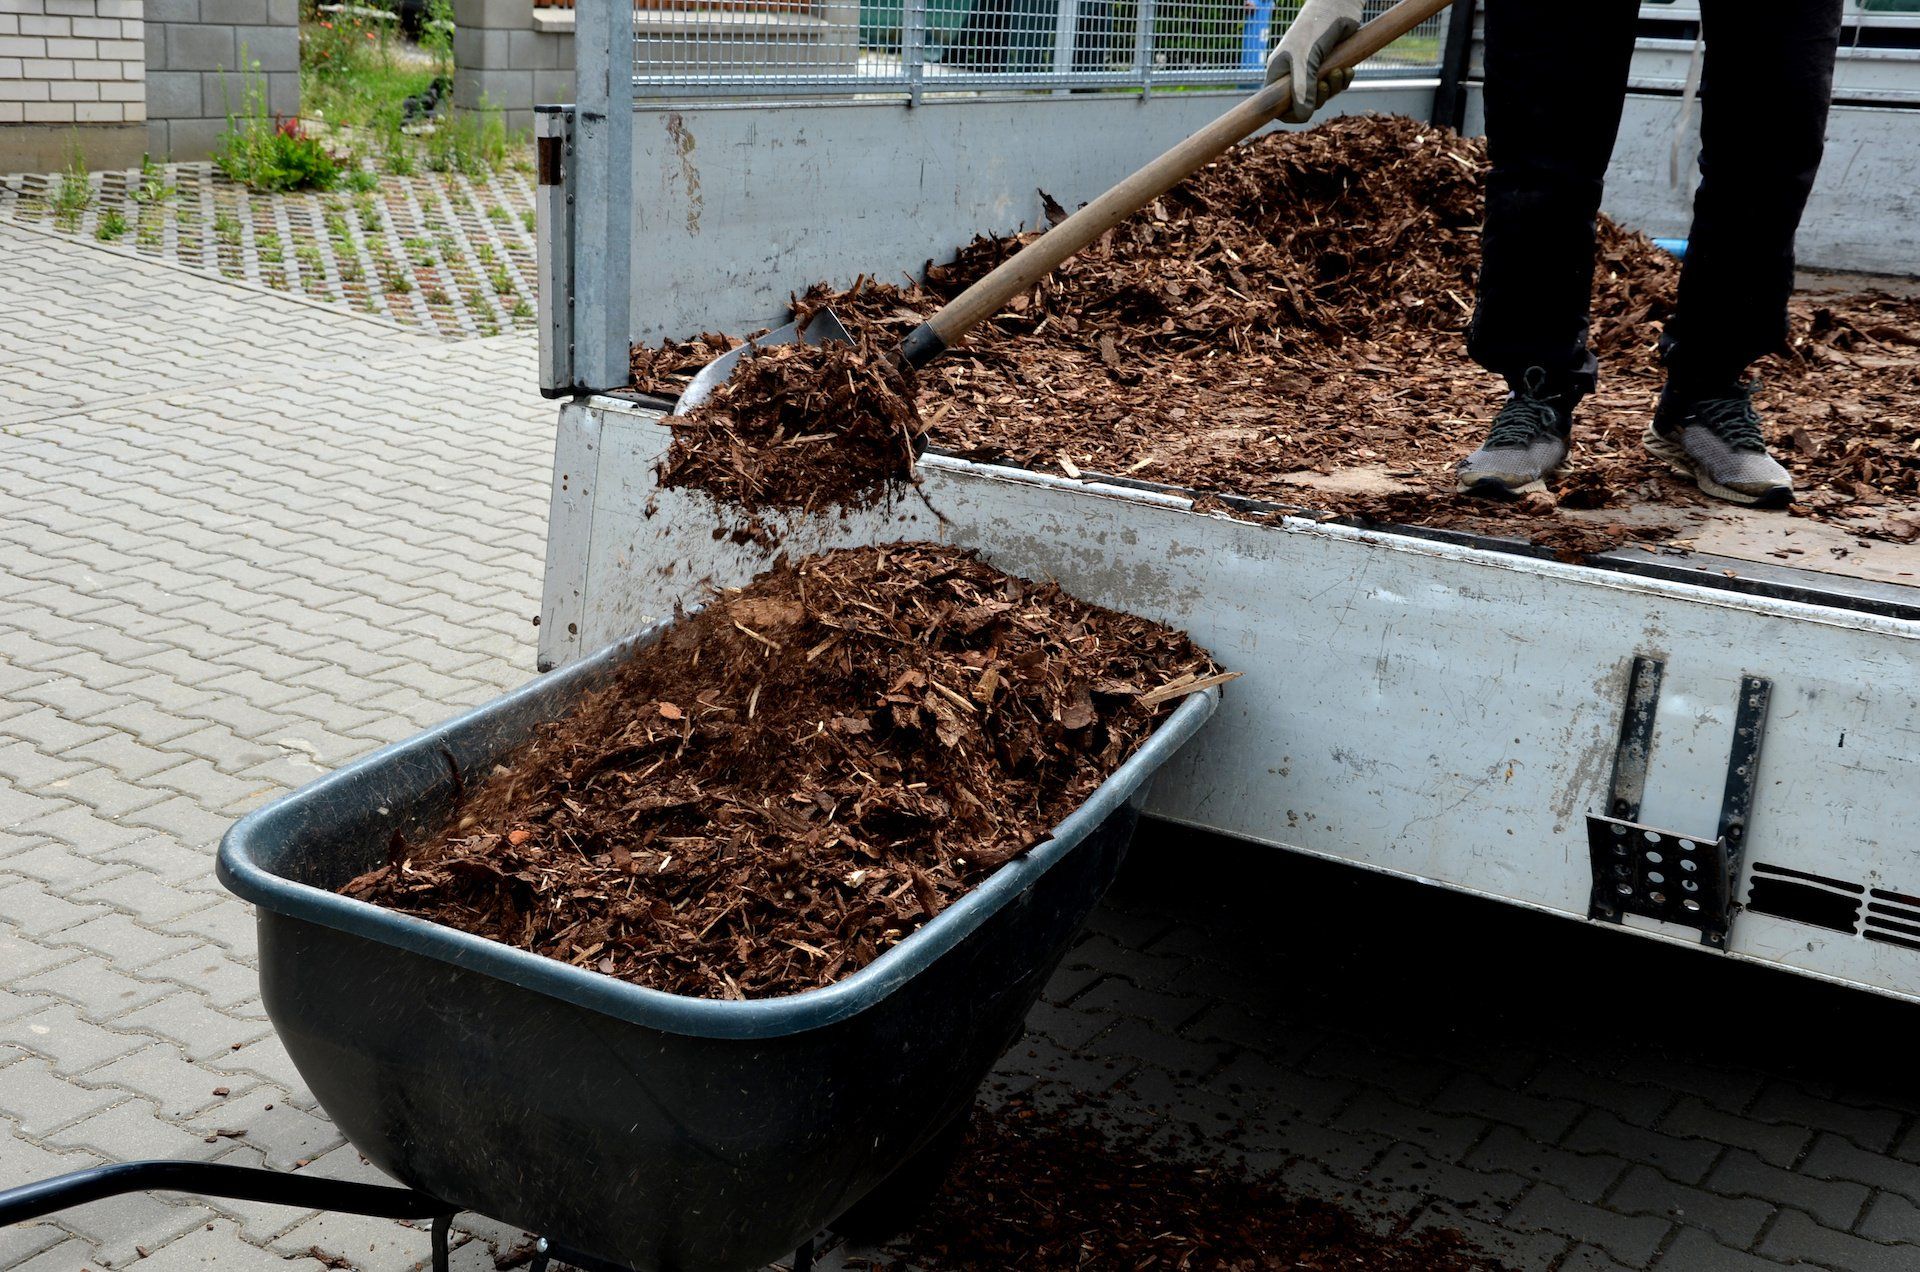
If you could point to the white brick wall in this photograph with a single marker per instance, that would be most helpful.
(72, 62)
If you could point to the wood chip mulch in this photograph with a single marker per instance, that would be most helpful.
(800, 427)
(1053, 1190)
(800, 775)
(1290, 324)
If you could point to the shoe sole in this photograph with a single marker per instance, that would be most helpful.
(1674, 456)
(1494, 488)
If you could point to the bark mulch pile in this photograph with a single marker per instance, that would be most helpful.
(1290, 323)
(799, 775)
(800, 427)
(1051, 1190)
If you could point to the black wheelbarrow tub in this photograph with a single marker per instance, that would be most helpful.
(654, 1130)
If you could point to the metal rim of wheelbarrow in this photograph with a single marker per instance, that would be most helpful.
(238, 869)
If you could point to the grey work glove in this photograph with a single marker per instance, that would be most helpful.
(1320, 26)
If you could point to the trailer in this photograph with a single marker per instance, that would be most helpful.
(1700, 746)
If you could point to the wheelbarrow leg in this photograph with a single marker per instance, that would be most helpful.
(803, 1257)
(442, 1235)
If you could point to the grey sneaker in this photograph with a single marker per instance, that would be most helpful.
(1716, 440)
(1527, 443)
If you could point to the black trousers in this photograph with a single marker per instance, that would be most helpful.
(1555, 87)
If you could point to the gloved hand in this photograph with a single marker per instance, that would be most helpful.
(1320, 26)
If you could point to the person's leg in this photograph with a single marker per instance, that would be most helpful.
(1556, 83)
(1763, 99)
(1556, 80)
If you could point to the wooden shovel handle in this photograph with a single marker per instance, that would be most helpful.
(1039, 258)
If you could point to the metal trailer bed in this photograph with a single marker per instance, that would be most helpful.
(1704, 751)
(1706, 748)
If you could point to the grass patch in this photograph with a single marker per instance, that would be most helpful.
(267, 154)
(111, 227)
(154, 186)
(74, 192)
(473, 143)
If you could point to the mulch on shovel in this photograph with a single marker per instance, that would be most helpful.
(800, 427)
(1051, 1190)
(800, 775)
(1290, 324)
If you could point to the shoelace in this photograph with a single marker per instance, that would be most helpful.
(1731, 419)
(1522, 421)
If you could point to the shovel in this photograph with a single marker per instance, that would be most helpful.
(1037, 259)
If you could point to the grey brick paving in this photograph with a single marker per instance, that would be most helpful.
(185, 630)
(244, 539)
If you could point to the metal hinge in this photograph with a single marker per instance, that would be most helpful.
(1664, 874)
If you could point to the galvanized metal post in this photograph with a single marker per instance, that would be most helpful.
(603, 214)
(553, 203)
(1066, 22)
(913, 46)
(1143, 45)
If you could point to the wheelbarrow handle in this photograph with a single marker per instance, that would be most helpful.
(213, 1179)
(1039, 258)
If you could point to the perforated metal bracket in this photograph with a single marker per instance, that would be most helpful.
(1663, 874)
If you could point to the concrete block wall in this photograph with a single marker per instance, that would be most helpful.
(194, 51)
(511, 56)
(72, 76)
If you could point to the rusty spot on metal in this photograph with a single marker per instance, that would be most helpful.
(683, 143)
(549, 160)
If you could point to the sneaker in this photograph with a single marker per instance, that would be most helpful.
(1716, 440)
(1527, 443)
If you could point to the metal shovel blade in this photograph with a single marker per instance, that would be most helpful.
(824, 327)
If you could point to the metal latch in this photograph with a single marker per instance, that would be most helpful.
(1664, 874)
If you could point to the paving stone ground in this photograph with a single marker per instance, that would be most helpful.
(244, 538)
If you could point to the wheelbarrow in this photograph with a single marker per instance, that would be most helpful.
(637, 1130)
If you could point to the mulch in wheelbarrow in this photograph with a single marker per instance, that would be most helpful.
(1290, 323)
(799, 775)
(1052, 1189)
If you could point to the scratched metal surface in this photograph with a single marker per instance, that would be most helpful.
(1437, 712)
(736, 209)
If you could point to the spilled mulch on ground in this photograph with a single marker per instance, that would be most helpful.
(800, 775)
(1290, 324)
(801, 427)
(1051, 1190)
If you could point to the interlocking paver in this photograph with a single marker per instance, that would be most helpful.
(69, 1043)
(1734, 1221)
(1695, 1251)
(1836, 1203)
(1796, 1237)
(38, 1100)
(1633, 1239)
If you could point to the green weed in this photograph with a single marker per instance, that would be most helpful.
(267, 155)
(111, 227)
(75, 191)
(153, 187)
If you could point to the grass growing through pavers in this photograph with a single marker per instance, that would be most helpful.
(428, 218)
(448, 251)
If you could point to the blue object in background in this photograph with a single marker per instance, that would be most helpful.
(1677, 247)
(1255, 35)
